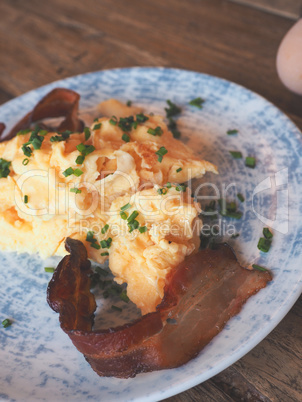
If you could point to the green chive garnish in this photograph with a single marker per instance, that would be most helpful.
(162, 191)
(124, 297)
(124, 215)
(160, 153)
(132, 216)
(104, 229)
(181, 187)
(172, 126)
(141, 118)
(125, 207)
(143, 229)
(6, 323)
(178, 170)
(49, 269)
(25, 199)
(75, 190)
(80, 159)
(68, 172)
(133, 225)
(95, 245)
(236, 154)
(4, 168)
(267, 233)
(173, 109)
(234, 236)
(97, 126)
(264, 244)
(158, 131)
(232, 132)
(168, 185)
(259, 268)
(126, 137)
(105, 254)
(78, 172)
(240, 197)
(25, 161)
(23, 132)
(197, 102)
(250, 162)
(129, 103)
(113, 120)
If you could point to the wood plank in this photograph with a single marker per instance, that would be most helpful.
(226, 39)
(287, 8)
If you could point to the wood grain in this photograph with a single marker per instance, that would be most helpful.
(287, 8)
(42, 41)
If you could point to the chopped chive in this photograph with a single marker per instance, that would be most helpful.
(75, 190)
(133, 225)
(25, 161)
(124, 297)
(240, 197)
(259, 268)
(231, 206)
(77, 172)
(104, 254)
(172, 126)
(113, 120)
(231, 214)
(264, 244)
(178, 170)
(68, 172)
(124, 215)
(129, 103)
(267, 233)
(172, 110)
(97, 126)
(125, 207)
(143, 229)
(158, 131)
(160, 153)
(26, 150)
(116, 308)
(162, 191)
(103, 243)
(197, 102)
(236, 154)
(49, 269)
(250, 162)
(4, 168)
(126, 123)
(104, 229)
(23, 132)
(6, 323)
(132, 216)
(80, 159)
(234, 236)
(168, 185)
(87, 133)
(95, 245)
(89, 236)
(25, 199)
(141, 118)
(126, 137)
(232, 132)
(181, 187)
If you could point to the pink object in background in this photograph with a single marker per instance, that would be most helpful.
(289, 59)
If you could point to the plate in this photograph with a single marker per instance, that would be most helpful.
(38, 361)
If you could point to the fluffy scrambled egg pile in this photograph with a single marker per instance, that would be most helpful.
(116, 187)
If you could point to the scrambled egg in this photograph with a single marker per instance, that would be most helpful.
(87, 186)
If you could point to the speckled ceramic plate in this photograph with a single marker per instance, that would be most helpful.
(38, 361)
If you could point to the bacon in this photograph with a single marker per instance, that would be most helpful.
(201, 295)
(60, 102)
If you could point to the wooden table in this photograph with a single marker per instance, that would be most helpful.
(42, 41)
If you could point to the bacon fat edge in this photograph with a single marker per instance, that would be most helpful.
(201, 295)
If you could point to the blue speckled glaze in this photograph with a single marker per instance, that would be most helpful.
(38, 361)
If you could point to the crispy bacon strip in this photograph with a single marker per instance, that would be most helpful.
(57, 103)
(201, 295)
